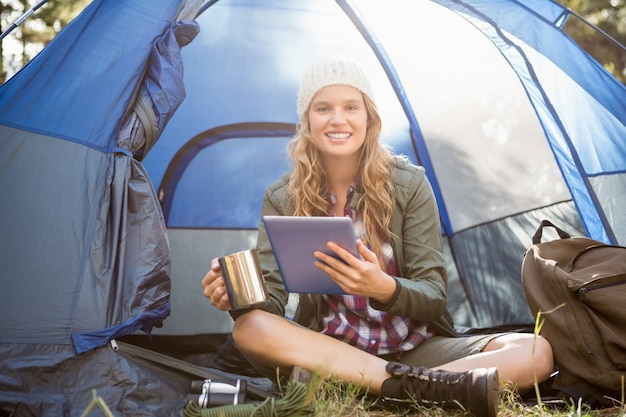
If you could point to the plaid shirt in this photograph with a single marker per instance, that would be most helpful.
(350, 318)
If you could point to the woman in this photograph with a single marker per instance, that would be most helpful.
(392, 334)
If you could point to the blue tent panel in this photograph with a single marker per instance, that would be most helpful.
(98, 76)
(85, 251)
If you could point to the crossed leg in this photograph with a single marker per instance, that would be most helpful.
(270, 341)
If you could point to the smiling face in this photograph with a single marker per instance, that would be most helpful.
(338, 122)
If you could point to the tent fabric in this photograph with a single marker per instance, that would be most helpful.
(84, 247)
(51, 380)
(537, 51)
(531, 50)
(491, 107)
(74, 78)
(90, 215)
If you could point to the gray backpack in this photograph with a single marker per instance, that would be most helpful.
(588, 332)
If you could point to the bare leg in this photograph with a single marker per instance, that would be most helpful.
(512, 355)
(272, 341)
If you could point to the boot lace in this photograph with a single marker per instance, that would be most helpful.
(430, 386)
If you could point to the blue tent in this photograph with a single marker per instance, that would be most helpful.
(513, 122)
(106, 231)
(85, 255)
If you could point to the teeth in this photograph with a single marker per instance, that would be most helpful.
(338, 135)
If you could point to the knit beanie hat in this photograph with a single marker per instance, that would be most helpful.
(334, 71)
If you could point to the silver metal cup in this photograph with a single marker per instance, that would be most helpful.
(243, 278)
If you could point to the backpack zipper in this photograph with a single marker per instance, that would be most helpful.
(582, 292)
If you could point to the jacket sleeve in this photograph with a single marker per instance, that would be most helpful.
(277, 295)
(418, 247)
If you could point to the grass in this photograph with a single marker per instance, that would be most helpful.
(332, 398)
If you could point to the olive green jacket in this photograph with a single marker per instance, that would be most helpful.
(417, 247)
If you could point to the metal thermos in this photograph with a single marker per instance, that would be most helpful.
(217, 392)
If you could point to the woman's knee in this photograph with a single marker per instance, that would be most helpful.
(250, 328)
(536, 348)
(539, 351)
(544, 358)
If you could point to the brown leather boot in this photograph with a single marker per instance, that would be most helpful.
(476, 391)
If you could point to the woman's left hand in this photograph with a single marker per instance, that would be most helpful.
(356, 276)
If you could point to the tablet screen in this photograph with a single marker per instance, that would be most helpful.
(295, 238)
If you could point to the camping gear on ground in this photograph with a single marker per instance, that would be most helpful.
(294, 403)
(579, 287)
(243, 279)
(215, 392)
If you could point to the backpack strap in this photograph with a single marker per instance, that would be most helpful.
(258, 390)
(548, 223)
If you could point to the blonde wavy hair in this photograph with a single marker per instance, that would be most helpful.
(308, 182)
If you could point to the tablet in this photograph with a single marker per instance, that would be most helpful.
(295, 238)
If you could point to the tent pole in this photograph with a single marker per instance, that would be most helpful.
(22, 18)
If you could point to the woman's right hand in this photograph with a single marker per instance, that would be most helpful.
(214, 288)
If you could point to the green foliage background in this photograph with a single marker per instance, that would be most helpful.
(610, 17)
(36, 31)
